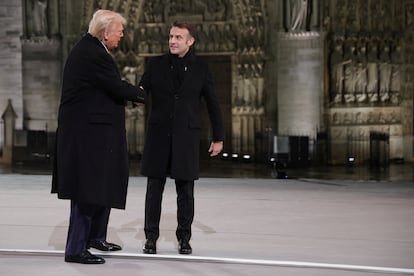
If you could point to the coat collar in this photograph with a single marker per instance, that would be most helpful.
(188, 58)
(188, 61)
(96, 41)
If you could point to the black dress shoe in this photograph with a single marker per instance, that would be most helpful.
(184, 247)
(150, 247)
(104, 246)
(84, 258)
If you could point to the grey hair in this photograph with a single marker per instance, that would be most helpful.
(102, 21)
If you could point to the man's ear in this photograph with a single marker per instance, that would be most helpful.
(191, 41)
(105, 36)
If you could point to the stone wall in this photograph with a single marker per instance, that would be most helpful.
(42, 72)
(42, 64)
(11, 58)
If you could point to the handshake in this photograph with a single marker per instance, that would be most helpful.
(142, 95)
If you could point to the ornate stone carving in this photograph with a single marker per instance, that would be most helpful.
(41, 18)
(299, 15)
(368, 71)
(361, 16)
(366, 116)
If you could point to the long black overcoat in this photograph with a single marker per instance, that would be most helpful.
(91, 160)
(173, 126)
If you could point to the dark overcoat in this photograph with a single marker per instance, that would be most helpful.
(172, 141)
(91, 160)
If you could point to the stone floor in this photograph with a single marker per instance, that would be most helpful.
(320, 221)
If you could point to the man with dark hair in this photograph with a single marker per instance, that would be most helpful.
(176, 82)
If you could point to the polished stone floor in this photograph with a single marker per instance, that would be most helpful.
(319, 221)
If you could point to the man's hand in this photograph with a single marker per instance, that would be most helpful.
(215, 148)
(135, 104)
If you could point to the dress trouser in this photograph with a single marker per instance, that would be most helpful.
(87, 222)
(185, 207)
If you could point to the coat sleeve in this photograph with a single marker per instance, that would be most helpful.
(107, 78)
(145, 81)
(213, 107)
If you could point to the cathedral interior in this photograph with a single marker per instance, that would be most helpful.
(320, 81)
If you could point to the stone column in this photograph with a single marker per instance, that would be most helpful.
(299, 90)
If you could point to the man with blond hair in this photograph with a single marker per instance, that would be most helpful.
(91, 159)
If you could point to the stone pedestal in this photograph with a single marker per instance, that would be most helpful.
(299, 84)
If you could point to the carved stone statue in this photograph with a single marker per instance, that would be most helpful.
(396, 67)
(216, 10)
(372, 70)
(37, 14)
(337, 70)
(298, 15)
(141, 40)
(385, 73)
(201, 39)
(157, 40)
(360, 82)
(350, 80)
